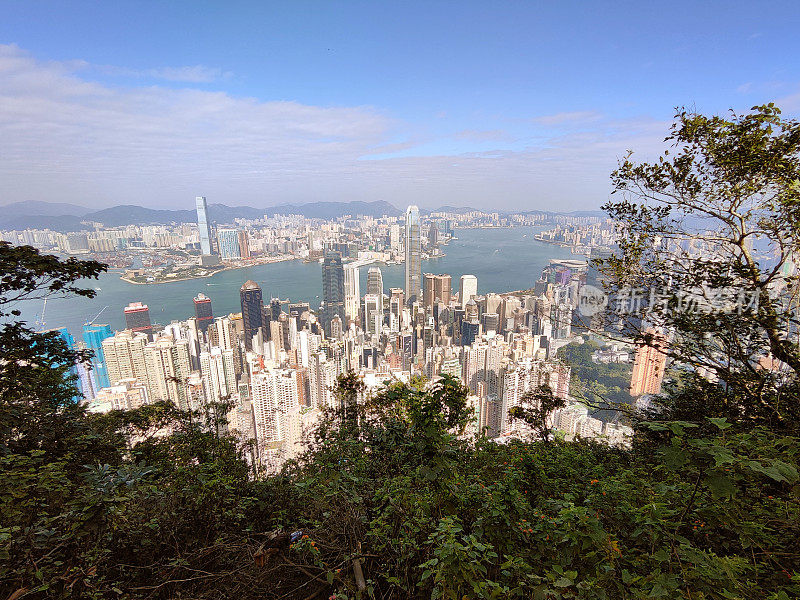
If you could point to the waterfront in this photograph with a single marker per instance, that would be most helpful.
(501, 259)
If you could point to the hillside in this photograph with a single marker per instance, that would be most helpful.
(68, 217)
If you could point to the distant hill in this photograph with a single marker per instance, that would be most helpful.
(62, 223)
(67, 217)
(60, 216)
(32, 208)
(127, 214)
(130, 214)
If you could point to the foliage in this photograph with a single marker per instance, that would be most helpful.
(597, 384)
(534, 409)
(707, 248)
(161, 503)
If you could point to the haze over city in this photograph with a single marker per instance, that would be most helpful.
(447, 104)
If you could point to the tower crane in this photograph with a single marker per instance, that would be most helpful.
(96, 316)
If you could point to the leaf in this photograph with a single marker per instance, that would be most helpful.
(675, 457)
(720, 422)
(721, 486)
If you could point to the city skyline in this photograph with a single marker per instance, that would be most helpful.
(531, 110)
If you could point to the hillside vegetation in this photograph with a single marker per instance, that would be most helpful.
(392, 500)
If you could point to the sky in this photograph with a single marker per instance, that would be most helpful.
(509, 105)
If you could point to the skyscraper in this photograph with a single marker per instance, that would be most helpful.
(244, 244)
(228, 241)
(332, 289)
(252, 302)
(203, 311)
(202, 225)
(413, 256)
(648, 367)
(93, 336)
(436, 288)
(352, 292)
(275, 309)
(137, 318)
(375, 281)
(469, 289)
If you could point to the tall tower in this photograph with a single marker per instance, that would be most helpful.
(375, 281)
(93, 336)
(202, 225)
(469, 289)
(649, 366)
(203, 311)
(137, 318)
(228, 240)
(352, 291)
(436, 288)
(332, 289)
(252, 302)
(413, 256)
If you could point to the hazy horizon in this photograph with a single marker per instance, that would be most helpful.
(515, 108)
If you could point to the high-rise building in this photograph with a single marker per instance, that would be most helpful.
(375, 281)
(394, 238)
(137, 318)
(244, 244)
(276, 396)
(352, 291)
(125, 357)
(373, 314)
(436, 288)
(127, 394)
(332, 289)
(275, 309)
(219, 373)
(252, 302)
(168, 368)
(469, 289)
(93, 336)
(228, 241)
(203, 311)
(648, 367)
(413, 256)
(375, 287)
(203, 226)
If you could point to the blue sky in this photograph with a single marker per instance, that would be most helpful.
(505, 104)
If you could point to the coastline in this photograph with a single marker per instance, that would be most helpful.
(209, 275)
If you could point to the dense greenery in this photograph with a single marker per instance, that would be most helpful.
(393, 500)
(708, 254)
(597, 384)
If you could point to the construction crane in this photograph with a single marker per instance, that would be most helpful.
(96, 316)
(40, 320)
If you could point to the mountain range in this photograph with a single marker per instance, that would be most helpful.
(64, 217)
(70, 217)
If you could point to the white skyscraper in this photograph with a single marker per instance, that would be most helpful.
(413, 256)
(469, 289)
(352, 292)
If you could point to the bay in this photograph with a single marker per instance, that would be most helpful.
(502, 260)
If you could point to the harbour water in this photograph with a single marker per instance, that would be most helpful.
(502, 260)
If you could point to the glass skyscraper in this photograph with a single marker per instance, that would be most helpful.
(202, 225)
(228, 240)
(332, 289)
(252, 304)
(413, 256)
(93, 336)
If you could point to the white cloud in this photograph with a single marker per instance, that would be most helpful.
(186, 74)
(67, 138)
(562, 118)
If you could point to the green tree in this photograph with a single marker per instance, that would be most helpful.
(534, 409)
(709, 234)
